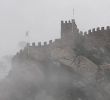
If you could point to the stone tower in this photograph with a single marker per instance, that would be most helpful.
(69, 32)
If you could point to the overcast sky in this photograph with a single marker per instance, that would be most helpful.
(42, 19)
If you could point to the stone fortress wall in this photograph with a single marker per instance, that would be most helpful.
(69, 35)
(97, 37)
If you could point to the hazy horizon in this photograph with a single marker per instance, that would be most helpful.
(42, 19)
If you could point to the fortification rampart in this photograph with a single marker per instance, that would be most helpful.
(66, 22)
(41, 44)
(97, 30)
(70, 35)
(40, 51)
(97, 37)
(90, 32)
(67, 26)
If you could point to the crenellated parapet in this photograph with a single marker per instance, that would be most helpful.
(41, 48)
(70, 35)
(97, 30)
(66, 22)
(41, 44)
(66, 26)
(97, 37)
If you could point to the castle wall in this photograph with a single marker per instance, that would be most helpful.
(97, 38)
(66, 27)
(70, 36)
(69, 33)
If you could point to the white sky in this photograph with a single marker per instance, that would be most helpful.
(42, 19)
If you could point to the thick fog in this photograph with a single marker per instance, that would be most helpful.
(49, 80)
(42, 18)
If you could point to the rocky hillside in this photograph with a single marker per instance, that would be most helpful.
(78, 72)
(67, 75)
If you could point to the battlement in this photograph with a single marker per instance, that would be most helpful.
(70, 35)
(41, 44)
(97, 30)
(68, 27)
(67, 22)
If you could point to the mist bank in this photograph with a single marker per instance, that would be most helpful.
(49, 80)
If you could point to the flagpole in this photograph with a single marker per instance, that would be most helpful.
(27, 41)
(73, 13)
(73, 20)
(27, 37)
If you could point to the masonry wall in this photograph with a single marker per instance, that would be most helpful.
(97, 38)
(70, 35)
